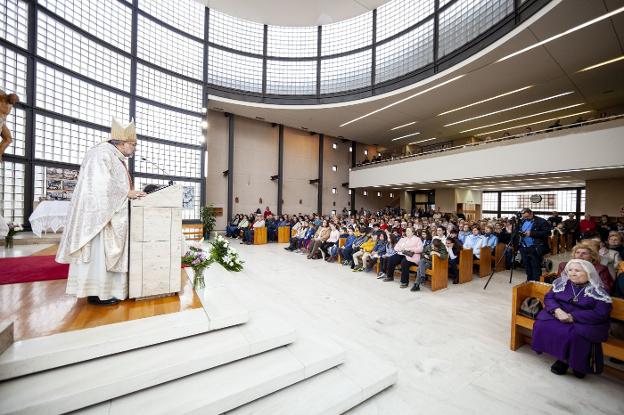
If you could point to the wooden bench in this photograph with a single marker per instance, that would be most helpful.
(283, 234)
(497, 262)
(484, 262)
(260, 236)
(465, 266)
(341, 243)
(553, 242)
(438, 273)
(193, 231)
(522, 326)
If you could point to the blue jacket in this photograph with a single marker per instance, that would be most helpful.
(349, 241)
(475, 243)
(491, 240)
(380, 248)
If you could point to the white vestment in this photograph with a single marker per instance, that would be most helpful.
(95, 239)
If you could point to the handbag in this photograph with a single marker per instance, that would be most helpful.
(531, 307)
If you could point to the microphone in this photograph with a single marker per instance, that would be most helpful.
(159, 168)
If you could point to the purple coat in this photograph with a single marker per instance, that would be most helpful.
(577, 343)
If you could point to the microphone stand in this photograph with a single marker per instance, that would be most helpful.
(513, 243)
(159, 168)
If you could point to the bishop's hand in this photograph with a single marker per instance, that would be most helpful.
(135, 194)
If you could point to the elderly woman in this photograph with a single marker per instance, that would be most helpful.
(574, 321)
(587, 252)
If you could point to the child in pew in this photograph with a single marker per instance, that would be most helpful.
(453, 247)
(435, 248)
(360, 238)
(364, 252)
(378, 251)
(333, 250)
(346, 252)
(391, 242)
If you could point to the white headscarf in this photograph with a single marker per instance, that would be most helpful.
(595, 289)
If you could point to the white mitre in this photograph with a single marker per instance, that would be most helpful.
(121, 133)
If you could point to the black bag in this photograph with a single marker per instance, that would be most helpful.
(531, 307)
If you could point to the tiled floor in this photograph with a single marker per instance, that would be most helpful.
(451, 347)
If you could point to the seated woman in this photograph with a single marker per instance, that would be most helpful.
(491, 239)
(299, 236)
(408, 251)
(611, 252)
(463, 233)
(334, 235)
(425, 237)
(391, 242)
(333, 250)
(435, 248)
(474, 241)
(231, 231)
(322, 235)
(574, 321)
(585, 251)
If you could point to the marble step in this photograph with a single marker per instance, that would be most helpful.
(226, 387)
(80, 385)
(334, 391)
(44, 353)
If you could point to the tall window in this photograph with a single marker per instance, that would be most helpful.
(83, 77)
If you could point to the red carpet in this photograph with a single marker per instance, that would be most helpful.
(30, 269)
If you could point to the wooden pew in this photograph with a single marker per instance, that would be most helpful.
(484, 262)
(438, 273)
(465, 266)
(193, 231)
(341, 243)
(260, 236)
(497, 262)
(554, 246)
(522, 326)
(283, 234)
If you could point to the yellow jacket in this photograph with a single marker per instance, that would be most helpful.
(368, 245)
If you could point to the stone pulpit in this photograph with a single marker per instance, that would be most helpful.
(155, 241)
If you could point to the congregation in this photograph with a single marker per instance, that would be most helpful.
(391, 239)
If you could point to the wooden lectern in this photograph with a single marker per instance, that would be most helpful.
(155, 243)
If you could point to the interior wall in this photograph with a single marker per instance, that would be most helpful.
(217, 147)
(341, 158)
(300, 166)
(602, 197)
(467, 196)
(445, 200)
(256, 156)
(372, 202)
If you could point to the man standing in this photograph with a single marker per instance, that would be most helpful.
(535, 232)
(95, 239)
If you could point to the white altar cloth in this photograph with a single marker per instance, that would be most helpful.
(50, 214)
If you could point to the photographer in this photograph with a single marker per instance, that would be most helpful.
(535, 232)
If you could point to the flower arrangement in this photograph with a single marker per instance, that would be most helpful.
(198, 260)
(13, 229)
(225, 255)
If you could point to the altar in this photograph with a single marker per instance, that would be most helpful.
(49, 215)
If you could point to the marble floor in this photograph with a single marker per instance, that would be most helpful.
(451, 347)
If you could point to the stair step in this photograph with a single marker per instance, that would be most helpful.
(359, 378)
(44, 353)
(226, 387)
(77, 386)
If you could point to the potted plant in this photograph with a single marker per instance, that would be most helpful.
(208, 219)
